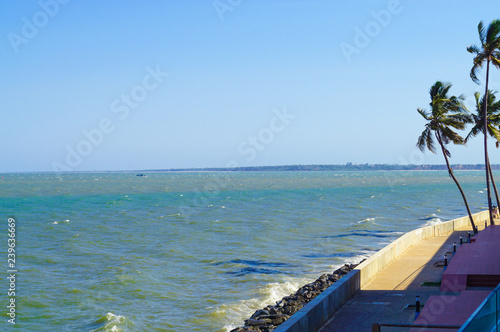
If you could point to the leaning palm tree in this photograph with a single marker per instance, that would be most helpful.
(493, 109)
(488, 52)
(447, 113)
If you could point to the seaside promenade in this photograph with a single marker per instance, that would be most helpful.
(390, 296)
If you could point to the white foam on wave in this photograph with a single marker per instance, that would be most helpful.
(366, 220)
(352, 260)
(64, 221)
(234, 314)
(110, 323)
(433, 221)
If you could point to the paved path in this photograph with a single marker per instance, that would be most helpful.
(466, 269)
(384, 298)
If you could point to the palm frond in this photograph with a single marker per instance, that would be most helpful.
(476, 68)
(492, 34)
(457, 120)
(475, 130)
(426, 141)
(474, 49)
(447, 152)
(488, 50)
(451, 136)
(495, 59)
(423, 113)
(482, 33)
(447, 114)
(494, 132)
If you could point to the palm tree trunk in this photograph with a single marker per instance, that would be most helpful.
(494, 185)
(450, 172)
(486, 158)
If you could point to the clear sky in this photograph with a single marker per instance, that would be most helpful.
(121, 85)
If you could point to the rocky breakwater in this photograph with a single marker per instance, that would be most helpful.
(268, 318)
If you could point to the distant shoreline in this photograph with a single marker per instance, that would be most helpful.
(291, 168)
(344, 167)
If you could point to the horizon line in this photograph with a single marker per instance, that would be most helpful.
(289, 167)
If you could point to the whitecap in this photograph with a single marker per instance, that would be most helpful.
(109, 322)
(433, 221)
(365, 220)
(236, 312)
(354, 259)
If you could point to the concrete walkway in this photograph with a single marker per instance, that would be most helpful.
(385, 297)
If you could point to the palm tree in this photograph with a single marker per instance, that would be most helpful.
(488, 52)
(447, 113)
(493, 108)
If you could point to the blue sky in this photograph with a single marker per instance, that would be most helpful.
(121, 85)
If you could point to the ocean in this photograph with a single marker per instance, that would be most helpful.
(199, 251)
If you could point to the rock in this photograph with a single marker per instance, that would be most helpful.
(258, 313)
(239, 329)
(268, 318)
(333, 277)
(276, 319)
(257, 322)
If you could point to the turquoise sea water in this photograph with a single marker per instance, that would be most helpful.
(199, 251)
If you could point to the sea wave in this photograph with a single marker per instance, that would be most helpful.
(367, 220)
(58, 222)
(235, 313)
(354, 259)
(431, 219)
(366, 233)
(110, 323)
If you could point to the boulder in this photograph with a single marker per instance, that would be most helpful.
(258, 313)
(257, 322)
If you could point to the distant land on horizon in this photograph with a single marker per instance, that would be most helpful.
(343, 167)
